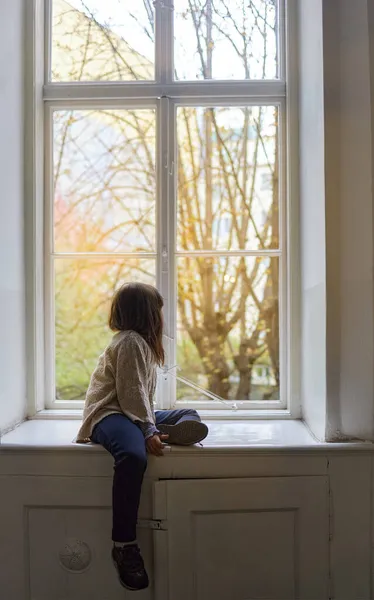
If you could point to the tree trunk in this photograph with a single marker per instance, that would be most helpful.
(244, 362)
(210, 344)
(245, 384)
(218, 381)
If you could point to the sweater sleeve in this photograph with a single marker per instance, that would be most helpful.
(132, 381)
(148, 430)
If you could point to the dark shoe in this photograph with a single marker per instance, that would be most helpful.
(185, 433)
(130, 567)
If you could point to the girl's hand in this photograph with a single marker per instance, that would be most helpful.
(155, 444)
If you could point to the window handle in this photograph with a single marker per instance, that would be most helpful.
(170, 169)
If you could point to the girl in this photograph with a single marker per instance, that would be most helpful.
(119, 415)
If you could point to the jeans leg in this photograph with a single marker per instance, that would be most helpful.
(172, 417)
(125, 442)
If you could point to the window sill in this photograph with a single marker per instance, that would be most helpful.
(225, 436)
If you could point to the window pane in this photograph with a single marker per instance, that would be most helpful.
(102, 40)
(226, 39)
(83, 290)
(228, 327)
(104, 180)
(228, 183)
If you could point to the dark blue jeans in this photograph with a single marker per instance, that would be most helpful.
(125, 442)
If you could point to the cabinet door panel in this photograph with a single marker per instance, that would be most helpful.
(248, 539)
(55, 541)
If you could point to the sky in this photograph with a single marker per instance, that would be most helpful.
(123, 16)
(116, 14)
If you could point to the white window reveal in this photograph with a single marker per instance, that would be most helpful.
(166, 163)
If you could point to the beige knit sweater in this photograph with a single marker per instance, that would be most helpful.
(124, 381)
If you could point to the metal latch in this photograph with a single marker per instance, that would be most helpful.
(153, 524)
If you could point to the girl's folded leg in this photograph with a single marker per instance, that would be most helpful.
(183, 426)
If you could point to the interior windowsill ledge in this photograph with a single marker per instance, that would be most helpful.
(224, 436)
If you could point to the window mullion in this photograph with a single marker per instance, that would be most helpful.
(164, 41)
(47, 40)
(159, 44)
(281, 41)
(163, 271)
(189, 93)
(172, 235)
(168, 40)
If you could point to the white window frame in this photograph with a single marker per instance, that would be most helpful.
(165, 95)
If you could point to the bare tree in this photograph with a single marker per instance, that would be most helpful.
(207, 309)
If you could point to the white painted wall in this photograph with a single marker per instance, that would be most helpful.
(12, 305)
(356, 222)
(337, 225)
(312, 217)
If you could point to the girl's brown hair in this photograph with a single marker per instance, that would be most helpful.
(138, 307)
